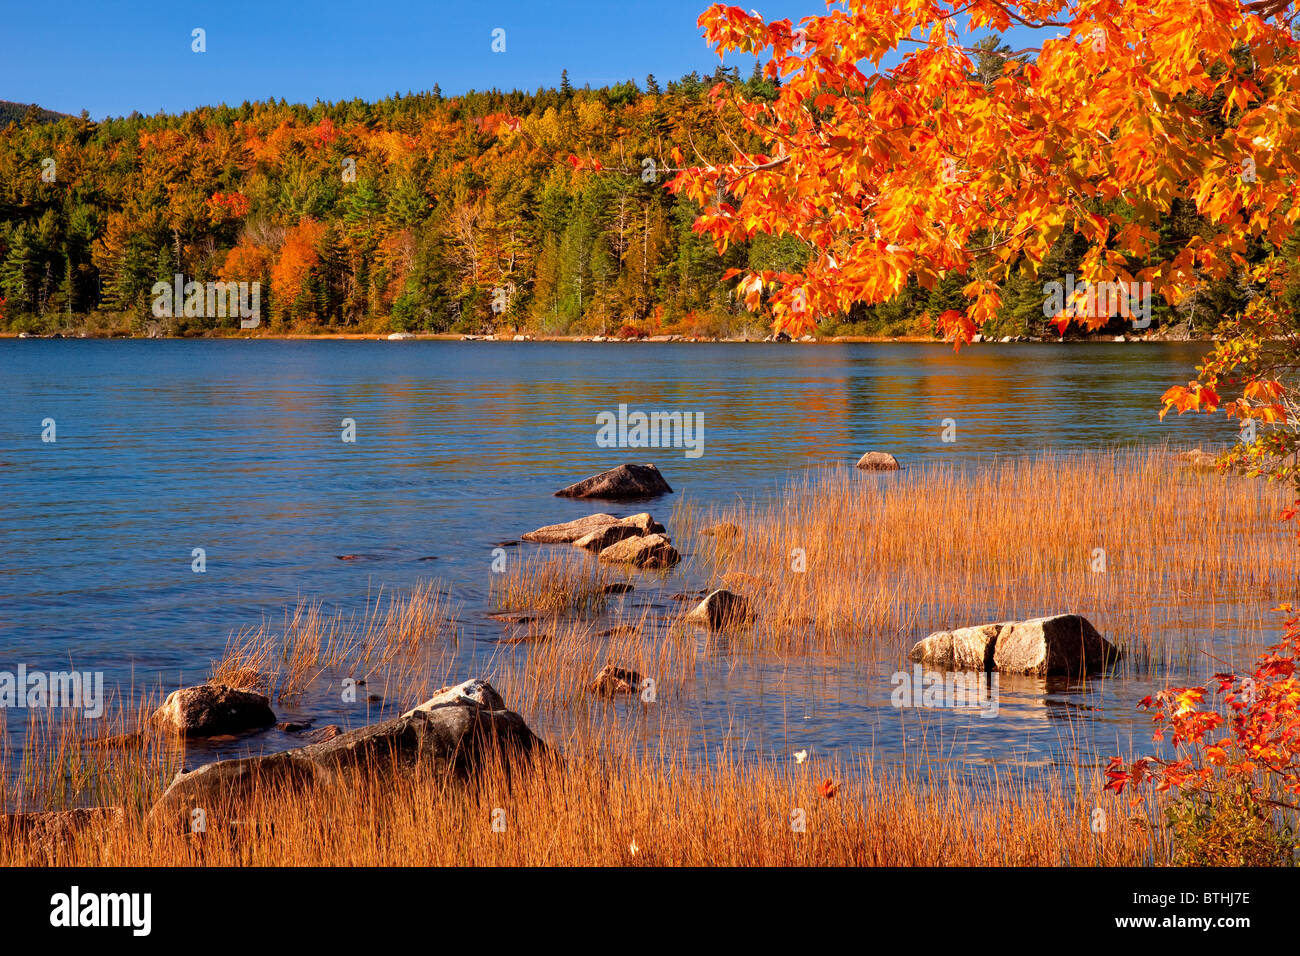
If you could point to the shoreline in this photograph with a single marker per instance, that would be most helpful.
(605, 340)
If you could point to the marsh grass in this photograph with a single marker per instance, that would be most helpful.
(620, 810)
(404, 639)
(68, 760)
(565, 581)
(891, 557)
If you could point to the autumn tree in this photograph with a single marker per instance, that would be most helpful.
(939, 167)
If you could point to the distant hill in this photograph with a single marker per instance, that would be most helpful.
(15, 112)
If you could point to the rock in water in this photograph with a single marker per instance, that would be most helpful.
(212, 709)
(1064, 644)
(615, 680)
(473, 691)
(648, 551)
(965, 649)
(722, 609)
(724, 531)
(569, 531)
(451, 735)
(1061, 644)
(600, 539)
(643, 522)
(621, 483)
(877, 461)
(1200, 460)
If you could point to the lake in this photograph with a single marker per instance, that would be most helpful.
(236, 447)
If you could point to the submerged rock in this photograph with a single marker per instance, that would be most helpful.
(722, 609)
(647, 551)
(724, 531)
(127, 741)
(511, 617)
(877, 461)
(212, 709)
(451, 735)
(621, 630)
(623, 482)
(615, 680)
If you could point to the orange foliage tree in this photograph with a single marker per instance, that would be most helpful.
(1253, 736)
(298, 256)
(247, 262)
(928, 169)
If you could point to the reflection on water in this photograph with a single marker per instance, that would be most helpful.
(235, 447)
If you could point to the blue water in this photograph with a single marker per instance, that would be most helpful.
(235, 447)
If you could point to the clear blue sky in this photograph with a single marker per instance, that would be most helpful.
(114, 56)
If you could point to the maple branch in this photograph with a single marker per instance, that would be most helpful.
(1266, 8)
(1010, 55)
(1040, 23)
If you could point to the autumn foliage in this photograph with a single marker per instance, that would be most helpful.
(1127, 115)
(1239, 735)
(298, 256)
(427, 206)
(926, 169)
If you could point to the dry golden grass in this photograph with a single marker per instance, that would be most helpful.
(70, 760)
(621, 811)
(405, 640)
(568, 581)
